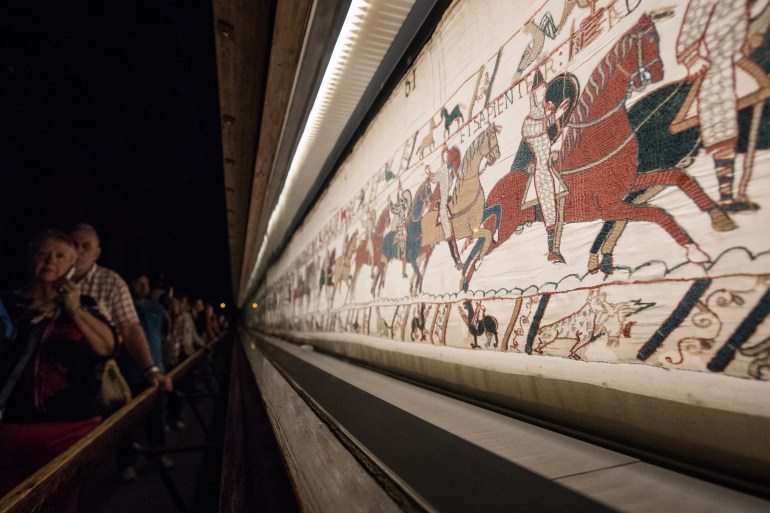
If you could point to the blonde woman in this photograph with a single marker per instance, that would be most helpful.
(53, 343)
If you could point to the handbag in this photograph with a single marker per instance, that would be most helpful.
(115, 392)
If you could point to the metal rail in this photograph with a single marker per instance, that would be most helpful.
(45, 486)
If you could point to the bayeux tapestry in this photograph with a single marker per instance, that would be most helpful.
(569, 182)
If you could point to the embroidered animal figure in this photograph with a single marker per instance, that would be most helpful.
(428, 142)
(418, 322)
(479, 323)
(342, 264)
(595, 318)
(387, 173)
(450, 117)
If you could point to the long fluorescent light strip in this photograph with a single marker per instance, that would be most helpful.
(338, 61)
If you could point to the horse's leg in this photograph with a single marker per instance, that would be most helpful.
(384, 271)
(678, 178)
(608, 237)
(375, 280)
(468, 269)
(416, 278)
(428, 253)
(625, 211)
(353, 281)
(599, 244)
(494, 210)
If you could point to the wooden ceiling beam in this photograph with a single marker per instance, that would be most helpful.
(291, 23)
(243, 33)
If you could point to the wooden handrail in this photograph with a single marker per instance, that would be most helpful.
(46, 484)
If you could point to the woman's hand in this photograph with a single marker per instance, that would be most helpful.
(69, 294)
(97, 333)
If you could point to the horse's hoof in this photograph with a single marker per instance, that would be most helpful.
(593, 263)
(696, 255)
(720, 221)
(556, 257)
(607, 266)
(741, 204)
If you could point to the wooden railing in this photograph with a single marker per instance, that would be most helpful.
(44, 487)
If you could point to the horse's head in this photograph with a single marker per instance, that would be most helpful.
(489, 146)
(644, 55)
(597, 300)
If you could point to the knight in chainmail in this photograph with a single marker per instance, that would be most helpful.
(399, 209)
(549, 187)
(710, 42)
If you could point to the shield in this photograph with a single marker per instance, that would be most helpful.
(562, 86)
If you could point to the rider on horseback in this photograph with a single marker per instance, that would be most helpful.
(400, 209)
(444, 177)
(711, 40)
(549, 187)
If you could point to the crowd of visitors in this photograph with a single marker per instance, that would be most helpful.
(58, 332)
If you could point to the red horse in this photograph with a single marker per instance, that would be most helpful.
(598, 158)
(361, 257)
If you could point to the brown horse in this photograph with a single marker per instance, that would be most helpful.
(379, 261)
(363, 256)
(467, 205)
(341, 268)
(598, 159)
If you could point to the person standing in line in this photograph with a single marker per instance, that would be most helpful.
(198, 313)
(212, 326)
(155, 323)
(112, 294)
(54, 340)
(185, 342)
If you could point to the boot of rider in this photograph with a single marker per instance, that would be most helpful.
(725, 171)
(554, 234)
(554, 255)
(455, 253)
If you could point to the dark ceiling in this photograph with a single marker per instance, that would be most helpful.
(110, 116)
